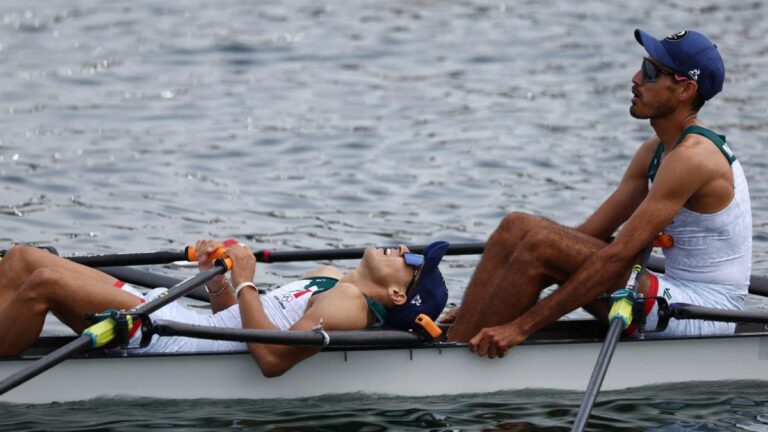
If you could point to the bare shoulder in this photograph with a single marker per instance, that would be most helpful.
(342, 308)
(638, 166)
(696, 173)
(325, 271)
(697, 158)
(648, 148)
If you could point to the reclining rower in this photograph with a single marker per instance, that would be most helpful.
(388, 287)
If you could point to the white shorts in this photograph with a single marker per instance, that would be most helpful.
(174, 311)
(679, 291)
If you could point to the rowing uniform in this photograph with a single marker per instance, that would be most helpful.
(711, 260)
(283, 306)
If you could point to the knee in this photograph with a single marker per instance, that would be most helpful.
(535, 244)
(18, 253)
(40, 284)
(22, 258)
(513, 222)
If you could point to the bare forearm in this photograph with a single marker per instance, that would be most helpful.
(595, 277)
(220, 294)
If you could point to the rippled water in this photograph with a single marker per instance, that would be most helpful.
(694, 407)
(144, 125)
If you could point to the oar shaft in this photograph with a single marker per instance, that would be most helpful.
(180, 289)
(269, 256)
(617, 325)
(128, 259)
(34, 369)
(598, 375)
(683, 311)
(376, 338)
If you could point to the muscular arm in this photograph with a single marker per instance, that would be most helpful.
(631, 191)
(683, 173)
(342, 308)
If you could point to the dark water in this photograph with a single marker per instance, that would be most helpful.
(693, 407)
(143, 125)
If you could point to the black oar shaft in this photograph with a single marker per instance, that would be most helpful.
(180, 289)
(376, 338)
(683, 311)
(141, 258)
(69, 350)
(268, 256)
(606, 352)
(265, 256)
(598, 375)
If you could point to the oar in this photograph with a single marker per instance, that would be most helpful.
(620, 317)
(104, 331)
(684, 311)
(303, 338)
(265, 256)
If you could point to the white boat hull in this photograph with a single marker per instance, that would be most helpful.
(407, 372)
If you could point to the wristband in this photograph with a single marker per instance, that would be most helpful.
(246, 284)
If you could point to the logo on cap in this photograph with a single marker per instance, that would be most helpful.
(694, 74)
(416, 300)
(677, 36)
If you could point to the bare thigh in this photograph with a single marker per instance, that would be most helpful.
(71, 296)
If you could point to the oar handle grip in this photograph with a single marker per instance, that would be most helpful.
(191, 253)
(225, 263)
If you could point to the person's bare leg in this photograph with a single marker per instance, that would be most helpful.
(499, 248)
(62, 291)
(21, 261)
(548, 252)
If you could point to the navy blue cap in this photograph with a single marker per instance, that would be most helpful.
(428, 296)
(690, 54)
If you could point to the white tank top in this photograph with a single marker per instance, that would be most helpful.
(714, 249)
(286, 305)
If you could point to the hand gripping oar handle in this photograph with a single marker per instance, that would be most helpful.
(620, 317)
(102, 333)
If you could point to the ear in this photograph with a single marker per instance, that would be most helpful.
(688, 90)
(397, 295)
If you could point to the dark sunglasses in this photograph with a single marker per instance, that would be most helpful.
(416, 261)
(651, 72)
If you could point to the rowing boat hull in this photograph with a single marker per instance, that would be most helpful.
(419, 371)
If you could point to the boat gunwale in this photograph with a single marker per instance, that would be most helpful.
(53, 342)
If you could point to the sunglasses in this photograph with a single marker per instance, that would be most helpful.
(651, 72)
(416, 261)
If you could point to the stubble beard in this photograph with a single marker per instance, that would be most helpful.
(658, 109)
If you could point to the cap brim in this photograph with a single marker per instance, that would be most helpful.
(655, 49)
(433, 254)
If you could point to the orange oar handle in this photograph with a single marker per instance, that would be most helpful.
(664, 241)
(191, 253)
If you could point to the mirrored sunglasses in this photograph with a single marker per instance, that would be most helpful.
(413, 259)
(651, 72)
